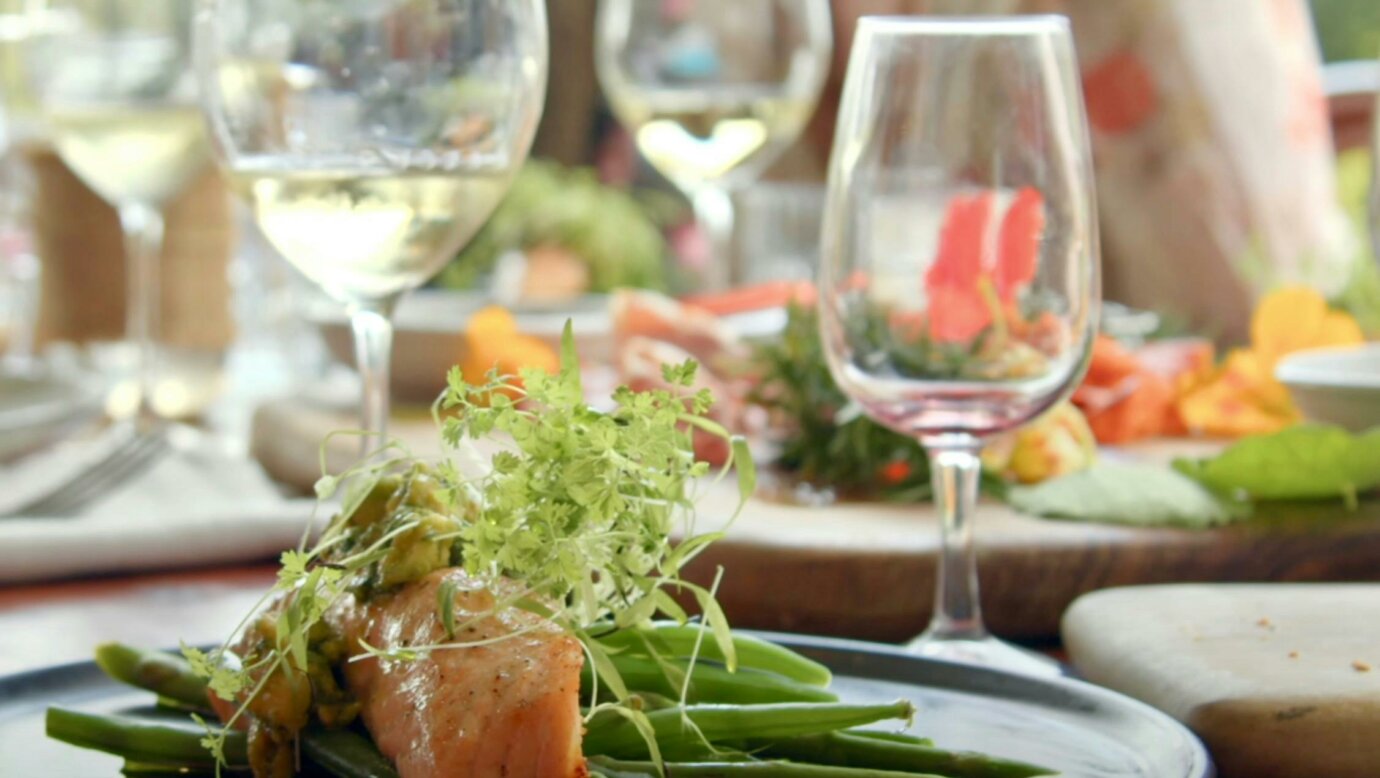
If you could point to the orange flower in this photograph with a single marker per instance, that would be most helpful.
(973, 279)
(1242, 396)
(492, 341)
(1123, 400)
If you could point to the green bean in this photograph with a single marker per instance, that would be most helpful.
(137, 770)
(850, 750)
(163, 674)
(710, 683)
(346, 754)
(140, 740)
(890, 737)
(717, 723)
(672, 639)
(613, 768)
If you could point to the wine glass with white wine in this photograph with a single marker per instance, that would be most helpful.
(117, 97)
(372, 139)
(713, 91)
(959, 287)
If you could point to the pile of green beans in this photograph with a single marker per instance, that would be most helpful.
(772, 717)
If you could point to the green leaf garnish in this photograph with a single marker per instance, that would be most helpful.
(1308, 462)
(1141, 495)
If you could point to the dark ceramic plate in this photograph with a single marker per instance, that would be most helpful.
(1082, 730)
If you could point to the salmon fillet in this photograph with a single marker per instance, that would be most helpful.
(509, 709)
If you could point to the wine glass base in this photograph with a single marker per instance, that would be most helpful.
(985, 652)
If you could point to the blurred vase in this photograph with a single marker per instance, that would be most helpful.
(82, 298)
(1215, 163)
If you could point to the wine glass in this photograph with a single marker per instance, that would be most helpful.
(713, 91)
(371, 139)
(959, 287)
(115, 90)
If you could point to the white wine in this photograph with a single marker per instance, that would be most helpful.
(131, 152)
(17, 98)
(712, 134)
(368, 235)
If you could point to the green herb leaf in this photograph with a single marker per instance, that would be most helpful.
(325, 487)
(668, 605)
(688, 550)
(1307, 462)
(604, 668)
(747, 469)
(445, 603)
(570, 359)
(716, 621)
(1141, 495)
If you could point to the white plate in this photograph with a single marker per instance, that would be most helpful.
(1337, 386)
(429, 333)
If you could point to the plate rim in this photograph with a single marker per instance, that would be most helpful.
(1202, 765)
(1331, 369)
(78, 674)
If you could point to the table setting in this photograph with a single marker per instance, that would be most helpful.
(685, 388)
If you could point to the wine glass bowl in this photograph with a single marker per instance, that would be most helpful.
(120, 99)
(115, 93)
(959, 284)
(371, 140)
(713, 91)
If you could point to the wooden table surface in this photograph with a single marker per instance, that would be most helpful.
(855, 571)
(868, 571)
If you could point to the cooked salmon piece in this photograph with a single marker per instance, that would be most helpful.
(506, 709)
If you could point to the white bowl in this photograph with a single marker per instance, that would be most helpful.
(1336, 385)
(429, 334)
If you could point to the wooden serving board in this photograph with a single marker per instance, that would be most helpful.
(866, 570)
(1279, 681)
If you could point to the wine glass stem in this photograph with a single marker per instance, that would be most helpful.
(143, 233)
(954, 471)
(714, 214)
(373, 328)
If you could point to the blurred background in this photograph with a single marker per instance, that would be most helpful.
(671, 208)
(1232, 151)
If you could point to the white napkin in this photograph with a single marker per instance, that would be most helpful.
(196, 505)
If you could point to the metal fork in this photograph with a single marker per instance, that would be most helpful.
(132, 456)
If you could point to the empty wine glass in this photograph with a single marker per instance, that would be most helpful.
(959, 275)
(371, 139)
(114, 86)
(713, 91)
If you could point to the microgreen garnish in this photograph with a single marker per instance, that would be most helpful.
(577, 507)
